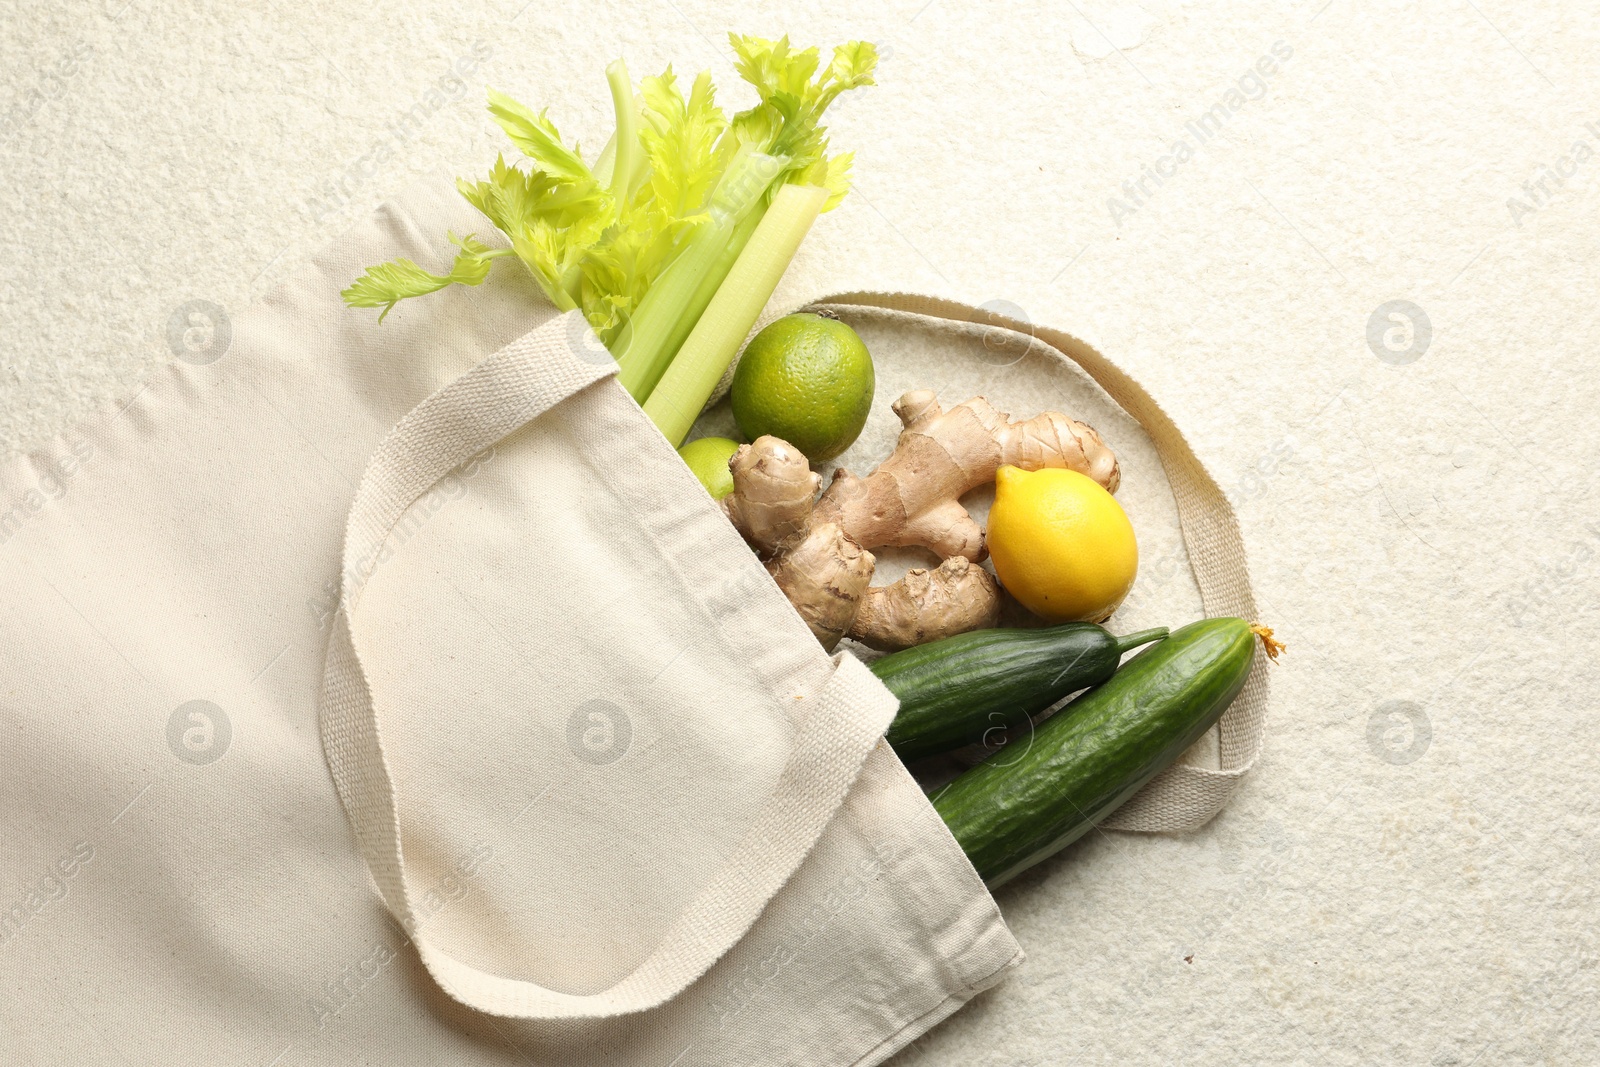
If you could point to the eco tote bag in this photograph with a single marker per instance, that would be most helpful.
(394, 695)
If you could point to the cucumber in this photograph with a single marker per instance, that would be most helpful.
(955, 690)
(1081, 764)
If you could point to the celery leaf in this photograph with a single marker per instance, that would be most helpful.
(787, 121)
(389, 283)
(538, 138)
(831, 173)
(680, 139)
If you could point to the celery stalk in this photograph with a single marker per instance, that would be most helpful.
(676, 299)
(606, 161)
(683, 390)
(628, 154)
(726, 259)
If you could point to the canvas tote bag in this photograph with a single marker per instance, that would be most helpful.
(394, 695)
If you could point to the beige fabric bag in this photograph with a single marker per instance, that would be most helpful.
(617, 805)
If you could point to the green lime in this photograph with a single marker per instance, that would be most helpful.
(708, 458)
(806, 379)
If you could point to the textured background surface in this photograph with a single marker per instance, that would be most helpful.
(1409, 876)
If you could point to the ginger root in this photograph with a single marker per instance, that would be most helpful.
(817, 549)
(822, 571)
(913, 498)
(774, 489)
(824, 575)
(956, 596)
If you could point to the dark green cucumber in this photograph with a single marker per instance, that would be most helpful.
(954, 691)
(1012, 811)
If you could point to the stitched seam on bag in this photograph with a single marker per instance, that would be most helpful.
(954, 1000)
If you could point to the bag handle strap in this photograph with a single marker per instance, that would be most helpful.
(1183, 797)
(842, 722)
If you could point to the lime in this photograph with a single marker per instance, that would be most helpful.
(708, 458)
(808, 380)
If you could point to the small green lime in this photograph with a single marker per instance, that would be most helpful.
(708, 458)
(807, 379)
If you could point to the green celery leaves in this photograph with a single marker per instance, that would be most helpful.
(596, 240)
(386, 285)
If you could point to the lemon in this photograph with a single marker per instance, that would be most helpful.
(806, 379)
(708, 458)
(1061, 544)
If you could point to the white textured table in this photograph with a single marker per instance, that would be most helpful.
(1228, 199)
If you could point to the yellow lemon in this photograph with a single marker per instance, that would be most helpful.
(1061, 544)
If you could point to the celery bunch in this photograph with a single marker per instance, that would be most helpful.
(675, 207)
